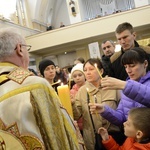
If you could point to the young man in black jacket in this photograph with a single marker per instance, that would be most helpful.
(126, 38)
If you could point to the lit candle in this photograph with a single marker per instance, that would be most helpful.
(64, 95)
(95, 101)
(89, 95)
(69, 81)
(56, 82)
(92, 100)
(98, 71)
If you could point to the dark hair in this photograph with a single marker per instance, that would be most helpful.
(140, 117)
(81, 60)
(108, 41)
(43, 64)
(124, 26)
(135, 55)
(94, 61)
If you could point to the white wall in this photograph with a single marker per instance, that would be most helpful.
(139, 3)
(66, 59)
(63, 59)
(82, 10)
(52, 58)
(109, 9)
(22, 30)
(32, 7)
(39, 10)
(60, 14)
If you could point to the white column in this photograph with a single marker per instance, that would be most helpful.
(19, 12)
(26, 15)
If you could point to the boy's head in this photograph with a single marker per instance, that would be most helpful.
(45, 66)
(137, 125)
(125, 35)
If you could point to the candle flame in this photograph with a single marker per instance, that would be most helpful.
(56, 82)
(87, 90)
(95, 65)
(69, 75)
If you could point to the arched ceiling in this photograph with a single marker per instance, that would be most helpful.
(43, 10)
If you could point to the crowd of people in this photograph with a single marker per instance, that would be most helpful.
(109, 97)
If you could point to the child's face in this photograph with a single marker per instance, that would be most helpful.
(78, 77)
(129, 129)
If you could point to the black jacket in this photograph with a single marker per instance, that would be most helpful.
(106, 63)
(116, 69)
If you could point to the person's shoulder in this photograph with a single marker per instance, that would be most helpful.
(83, 88)
(115, 56)
(19, 74)
(37, 79)
(145, 48)
(38, 83)
(105, 58)
(24, 76)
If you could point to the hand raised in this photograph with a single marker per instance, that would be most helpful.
(109, 83)
(104, 133)
(96, 108)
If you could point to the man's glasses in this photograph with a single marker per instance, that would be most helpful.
(28, 46)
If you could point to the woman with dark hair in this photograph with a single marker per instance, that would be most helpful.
(89, 92)
(135, 91)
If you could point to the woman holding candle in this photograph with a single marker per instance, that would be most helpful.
(80, 105)
(78, 77)
(135, 91)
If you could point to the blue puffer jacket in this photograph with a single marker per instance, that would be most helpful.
(135, 94)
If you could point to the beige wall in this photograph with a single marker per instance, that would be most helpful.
(83, 53)
(144, 42)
